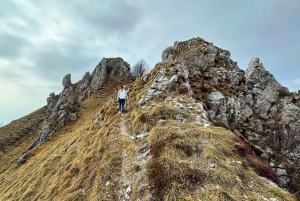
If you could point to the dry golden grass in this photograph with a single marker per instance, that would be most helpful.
(17, 136)
(73, 162)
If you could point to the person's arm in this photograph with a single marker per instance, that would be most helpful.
(118, 95)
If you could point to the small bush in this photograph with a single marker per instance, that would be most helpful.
(187, 149)
(158, 178)
(136, 167)
(183, 90)
(261, 167)
(156, 148)
(180, 79)
(283, 92)
(231, 119)
(145, 118)
(194, 176)
(243, 149)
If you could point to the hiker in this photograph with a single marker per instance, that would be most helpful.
(122, 97)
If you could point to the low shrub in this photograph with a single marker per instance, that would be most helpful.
(262, 168)
(194, 176)
(146, 118)
(136, 167)
(183, 90)
(156, 148)
(250, 153)
(242, 147)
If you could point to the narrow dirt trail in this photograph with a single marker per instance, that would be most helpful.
(126, 163)
(123, 128)
(132, 162)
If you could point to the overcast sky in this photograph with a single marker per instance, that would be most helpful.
(41, 41)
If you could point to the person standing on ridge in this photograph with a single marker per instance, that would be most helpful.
(122, 97)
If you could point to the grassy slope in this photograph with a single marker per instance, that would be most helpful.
(67, 163)
(17, 136)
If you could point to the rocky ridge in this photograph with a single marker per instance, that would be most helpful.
(62, 108)
(168, 146)
(246, 102)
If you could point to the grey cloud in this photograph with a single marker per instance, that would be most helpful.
(52, 64)
(9, 75)
(10, 12)
(11, 46)
(110, 16)
(25, 83)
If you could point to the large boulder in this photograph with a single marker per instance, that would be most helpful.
(214, 100)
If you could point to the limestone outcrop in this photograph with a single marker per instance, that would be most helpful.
(173, 79)
(246, 102)
(107, 68)
(63, 107)
(167, 78)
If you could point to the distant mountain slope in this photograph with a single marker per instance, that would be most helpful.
(17, 136)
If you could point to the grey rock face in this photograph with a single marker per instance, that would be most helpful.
(236, 77)
(214, 81)
(127, 193)
(257, 106)
(85, 82)
(44, 134)
(167, 54)
(211, 52)
(166, 80)
(106, 69)
(247, 102)
(67, 81)
(269, 183)
(261, 83)
(283, 176)
(214, 100)
(73, 116)
(109, 68)
(52, 99)
(224, 109)
(146, 78)
(225, 53)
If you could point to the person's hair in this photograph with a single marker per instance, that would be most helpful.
(121, 87)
